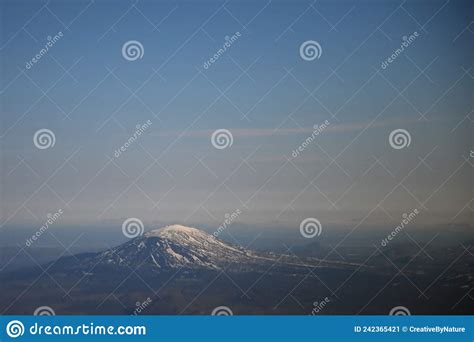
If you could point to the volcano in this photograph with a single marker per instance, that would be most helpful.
(180, 247)
(176, 246)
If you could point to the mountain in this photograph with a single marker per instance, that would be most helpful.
(176, 246)
(180, 247)
(167, 248)
(184, 270)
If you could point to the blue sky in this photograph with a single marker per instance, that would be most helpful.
(260, 89)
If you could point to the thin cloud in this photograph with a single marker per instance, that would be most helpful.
(265, 132)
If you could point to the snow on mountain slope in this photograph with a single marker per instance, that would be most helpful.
(180, 247)
(176, 246)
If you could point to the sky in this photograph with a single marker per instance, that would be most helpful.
(259, 89)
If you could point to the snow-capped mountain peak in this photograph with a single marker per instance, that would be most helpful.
(174, 229)
(176, 246)
(179, 247)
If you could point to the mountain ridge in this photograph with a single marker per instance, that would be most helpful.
(177, 247)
